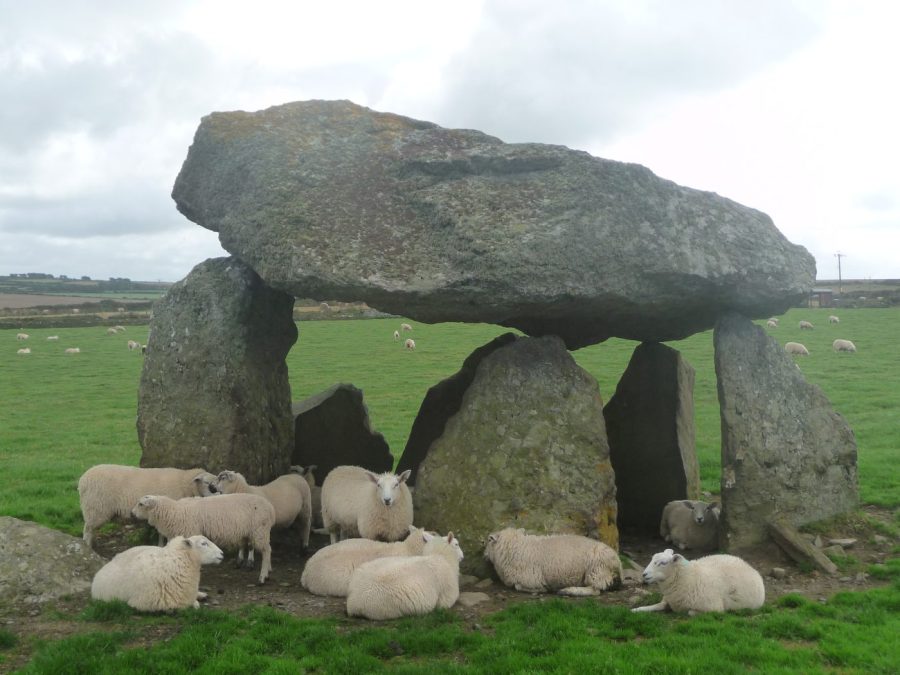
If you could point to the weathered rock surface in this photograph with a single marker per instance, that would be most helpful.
(526, 448)
(785, 451)
(214, 391)
(332, 428)
(330, 200)
(650, 427)
(38, 564)
(441, 402)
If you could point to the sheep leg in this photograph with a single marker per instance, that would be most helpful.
(266, 565)
(578, 591)
(530, 589)
(201, 596)
(658, 607)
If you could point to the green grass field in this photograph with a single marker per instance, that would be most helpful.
(61, 414)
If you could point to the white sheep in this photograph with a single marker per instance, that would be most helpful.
(119, 329)
(410, 344)
(289, 494)
(796, 348)
(806, 325)
(715, 583)
(833, 319)
(405, 326)
(53, 337)
(22, 336)
(772, 324)
(773, 318)
(73, 350)
(24, 350)
(567, 563)
(388, 588)
(843, 346)
(154, 579)
(112, 331)
(690, 524)
(359, 503)
(132, 345)
(315, 492)
(235, 521)
(329, 569)
(396, 335)
(108, 491)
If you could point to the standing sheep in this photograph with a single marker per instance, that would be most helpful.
(843, 346)
(359, 503)
(233, 521)
(24, 350)
(405, 326)
(289, 494)
(806, 325)
(22, 336)
(568, 563)
(329, 569)
(73, 350)
(690, 524)
(396, 335)
(388, 588)
(833, 319)
(153, 579)
(715, 583)
(315, 491)
(772, 324)
(410, 344)
(108, 491)
(796, 348)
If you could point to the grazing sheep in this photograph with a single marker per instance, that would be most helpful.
(289, 494)
(132, 345)
(715, 583)
(119, 329)
(772, 324)
(112, 331)
(143, 349)
(53, 337)
(315, 492)
(690, 524)
(396, 335)
(154, 579)
(843, 346)
(410, 344)
(388, 588)
(567, 563)
(108, 491)
(774, 319)
(232, 521)
(359, 503)
(796, 348)
(405, 326)
(833, 319)
(73, 350)
(24, 350)
(329, 569)
(806, 325)
(22, 336)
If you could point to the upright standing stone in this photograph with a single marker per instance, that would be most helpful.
(214, 391)
(332, 428)
(650, 426)
(527, 448)
(785, 451)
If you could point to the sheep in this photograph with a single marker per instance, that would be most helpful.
(359, 503)
(772, 324)
(843, 346)
(22, 336)
(153, 579)
(232, 521)
(24, 350)
(773, 319)
(119, 329)
(329, 569)
(410, 344)
(132, 345)
(108, 491)
(112, 331)
(388, 588)
(806, 325)
(796, 348)
(53, 337)
(405, 326)
(715, 583)
(690, 524)
(567, 563)
(289, 494)
(73, 350)
(833, 319)
(396, 335)
(315, 492)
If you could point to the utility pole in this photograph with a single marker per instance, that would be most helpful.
(840, 255)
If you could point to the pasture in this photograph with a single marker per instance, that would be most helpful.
(62, 413)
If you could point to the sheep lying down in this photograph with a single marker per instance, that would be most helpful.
(714, 583)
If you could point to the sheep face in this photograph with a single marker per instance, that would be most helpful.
(145, 505)
(210, 554)
(205, 485)
(225, 481)
(661, 566)
(387, 485)
(701, 510)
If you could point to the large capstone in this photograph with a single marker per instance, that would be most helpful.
(214, 391)
(38, 564)
(650, 426)
(331, 200)
(785, 451)
(332, 428)
(527, 448)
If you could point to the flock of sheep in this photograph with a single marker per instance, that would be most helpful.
(409, 343)
(114, 330)
(384, 565)
(799, 349)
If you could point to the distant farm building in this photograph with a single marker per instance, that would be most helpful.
(821, 297)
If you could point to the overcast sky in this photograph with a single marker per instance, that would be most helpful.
(789, 107)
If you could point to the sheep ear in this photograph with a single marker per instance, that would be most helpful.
(427, 536)
(405, 475)
(492, 537)
(680, 559)
(714, 505)
(188, 543)
(372, 477)
(669, 552)
(449, 537)
(688, 503)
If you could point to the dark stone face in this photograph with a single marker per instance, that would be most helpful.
(327, 199)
